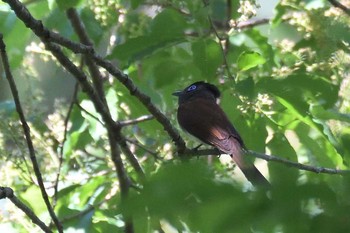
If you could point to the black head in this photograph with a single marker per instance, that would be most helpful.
(198, 90)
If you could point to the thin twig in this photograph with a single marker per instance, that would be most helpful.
(132, 158)
(60, 155)
(136, 120)
(223, 50)
(90, 114)
(136, 143)
(251, 23)
(26, 131)
(83, 212)
(6, 192)
(298, 165)
(96, 75)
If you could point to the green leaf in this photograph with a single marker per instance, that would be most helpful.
(319, 112)
(279, 13)
(167, 29)
(33, 198)
(136, 3)
(248, 60)
(167, 25)
(92, 26)
(38, 9)
(57, 20)
(140, 47)
(66, 4)
(204, 203)
(207, 56)
(279, 145)
(167, 71)
(15, 44)
(246, 87)
(318, 146)
(263, 45)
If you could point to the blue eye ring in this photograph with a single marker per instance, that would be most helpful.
(192, 88)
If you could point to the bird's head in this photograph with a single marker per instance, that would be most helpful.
(198, 90)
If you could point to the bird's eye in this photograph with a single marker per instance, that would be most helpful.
(191, 88)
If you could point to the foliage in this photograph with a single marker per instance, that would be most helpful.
(285, 86)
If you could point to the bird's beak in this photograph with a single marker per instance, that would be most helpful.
(177, 93)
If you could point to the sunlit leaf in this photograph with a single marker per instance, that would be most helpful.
(248, 60)
(207, 56)
(66, 4)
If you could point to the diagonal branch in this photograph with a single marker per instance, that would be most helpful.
(97, 79)
(273, 158)
(47, 36)
(96, 75)
(27, 135)
(6, 192)
(144, 99)
(340, 6)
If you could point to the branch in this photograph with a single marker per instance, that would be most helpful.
(251, 23)
(144, 99)
(136, 143)
(131, 157)
(27, 135)
(6, 192)
(47, 37)
(113, 128)
(340, 6)
(272, 158)
(298, 165)
(223, 50)
(136, 120)
(60, 155)
(79, 28)
(89, 113)
(124, 181)
(83, 212)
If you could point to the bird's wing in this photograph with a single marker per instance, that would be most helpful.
(221, 134)
(209, 123)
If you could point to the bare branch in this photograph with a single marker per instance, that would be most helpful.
(83, 212)
(136, 143)
(144, 99)
(89, 113)
(136, 120)
(223, 50)
(251, 23)
(131, 158)
(47, 37)
(272, 158)
(60, 156)
(340, 6)
(79, 29)
(6, 192)
(298, 165)
(26, 131)
(98, 84)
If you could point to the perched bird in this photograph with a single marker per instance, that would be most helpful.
(200, 115)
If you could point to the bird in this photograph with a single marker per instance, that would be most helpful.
(199, 114)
